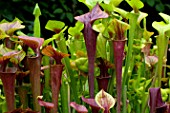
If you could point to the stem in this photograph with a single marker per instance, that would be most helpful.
(66, 61)
(65, 95)
(91, 76)
(161, 51)
(46, 61)
(8, 80)
(90, 37)
(118, 48)
(106, 111)
(34, 64)
(22, 92)
(103, 82)
(111, 81)
(132, 22)
(9, 43)
(37, 28)
(132, 19)
(56, 73)
(124, 99)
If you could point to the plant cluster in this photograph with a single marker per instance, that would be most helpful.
(107, 64)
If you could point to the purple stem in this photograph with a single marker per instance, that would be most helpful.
(90, 39)
(8, 80)
(106, 111)
(103, 82)
(118, 49)
(34, 65)
(9, 43)
(56, 74)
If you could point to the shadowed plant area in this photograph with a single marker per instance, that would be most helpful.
(110, 58)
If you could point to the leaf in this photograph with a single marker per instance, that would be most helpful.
(93, 15)
(32, 42)
(54, 25)
(8, 55)
(51, 52)
(3, 34)
(160, 7)
(91, 102)
(114, 2)
(118, 28)
(150, 2)
(76, 30)
(155, 102)
(17, 19)
(101, 47)
(142, 15)
(147, 34)
(70, 17)
(135, 4)
(92, 3)
(54, 37)
(82, 64)
(84, 2)
(45, 104)
(165, 17)
(161, 26)
(99, 27)
(58, 10)
(79, 108)
(104, 100)
(4, 49)
(107, 7)
(47, 41)
(37, 11)
(106, 1)
(18, 57)
(9, 28)
(3, 21)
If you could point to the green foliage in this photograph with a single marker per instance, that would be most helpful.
(135, 4)
(140, 70)
(54, 25)
(37, 11)
(158, 5)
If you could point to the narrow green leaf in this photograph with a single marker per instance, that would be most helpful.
(37, 11)
(37, 28)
